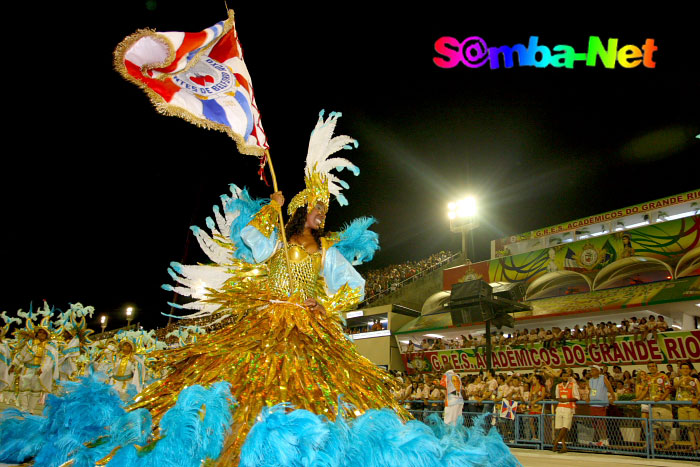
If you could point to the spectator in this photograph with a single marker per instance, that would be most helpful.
(624, 327)
(660, 390)
(454, 402)
(567, 393)
(688, 389)
(578, 334)
(537, 394)
(584, 392)
(641, 329)
(533, 337)
(619, 389)
(501, 389)
(590, 333)
(612, 333)
(601, 394)
(641, 393)
(626, 377)
(633, 327)
(651, 329)
(617, 373)
(670, 373)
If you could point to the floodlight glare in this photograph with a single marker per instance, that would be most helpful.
(465, 207)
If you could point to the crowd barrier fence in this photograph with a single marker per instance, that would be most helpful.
(623, 431)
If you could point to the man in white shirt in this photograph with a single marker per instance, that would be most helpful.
(453, 399)
(567, 394)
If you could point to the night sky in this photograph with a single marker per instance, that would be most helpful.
(99, 195)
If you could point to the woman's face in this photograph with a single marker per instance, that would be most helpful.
(316, 218)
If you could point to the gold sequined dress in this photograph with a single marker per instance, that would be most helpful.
(276, 350)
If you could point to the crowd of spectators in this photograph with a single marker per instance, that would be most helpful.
(424, 392)
(379, 282)
(602, 333)
(375, 325)
(530, 387)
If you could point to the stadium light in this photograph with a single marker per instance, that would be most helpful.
(129, 315)
(463, 218)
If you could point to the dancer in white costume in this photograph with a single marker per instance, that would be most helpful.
(72, 328)
(38, 363)
(69, 351)
(127, 373)
(6, 379)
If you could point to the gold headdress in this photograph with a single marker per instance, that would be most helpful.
(45, 325)
(320, 183)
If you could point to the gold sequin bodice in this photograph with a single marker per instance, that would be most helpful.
(123, 363)
(38, 349)
(305, 268)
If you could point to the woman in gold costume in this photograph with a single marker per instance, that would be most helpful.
(284, 349)
(286, 342)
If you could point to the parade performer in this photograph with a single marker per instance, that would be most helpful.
(69, 351)
(75, 339)
(295, 376)
(37, 362)
(303, 394)
(6, 379)
(127, 372)
(286, 342)
(102, 355)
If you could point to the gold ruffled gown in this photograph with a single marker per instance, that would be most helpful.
(276, 350)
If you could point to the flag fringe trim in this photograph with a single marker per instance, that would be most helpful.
(157, 100)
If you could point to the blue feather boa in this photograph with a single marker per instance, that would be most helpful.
(89, 422)
(357, 243)
(247, 207)
(377, 438)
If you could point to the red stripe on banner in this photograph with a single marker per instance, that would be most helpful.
(241, 79)
(226, 48)
(191, 41)
(166, 88)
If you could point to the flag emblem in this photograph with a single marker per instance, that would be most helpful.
(206, 79)
(508, 409)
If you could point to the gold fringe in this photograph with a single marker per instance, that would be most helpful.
(161, 105)
(276, 353)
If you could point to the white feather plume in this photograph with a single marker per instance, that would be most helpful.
(323, 144)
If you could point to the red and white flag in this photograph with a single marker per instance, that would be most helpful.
(508, 409)
(200, 77)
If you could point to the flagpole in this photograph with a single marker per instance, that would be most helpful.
(281, 221)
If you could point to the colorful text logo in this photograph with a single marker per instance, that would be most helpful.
(474, 53)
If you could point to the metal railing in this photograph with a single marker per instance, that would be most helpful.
(625, 430)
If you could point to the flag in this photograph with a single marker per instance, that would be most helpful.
(508, 409)
(200, 77)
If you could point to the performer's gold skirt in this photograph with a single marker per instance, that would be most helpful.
(277, 352)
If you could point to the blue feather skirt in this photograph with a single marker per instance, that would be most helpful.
(89, 424)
